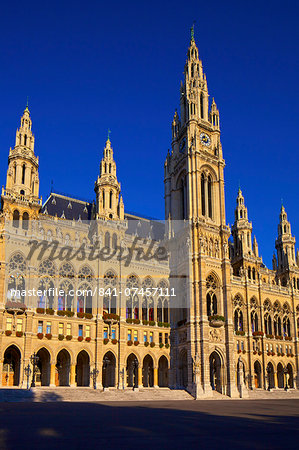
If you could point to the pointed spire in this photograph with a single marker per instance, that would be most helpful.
(192, 33)
(109, 132)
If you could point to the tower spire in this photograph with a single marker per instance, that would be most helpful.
(192, 33)
(109, 203)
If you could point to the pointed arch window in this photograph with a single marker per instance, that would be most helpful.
(203, 195)
(25, 139)
(25, 221)
(23, 173)
(16, 219)
(201, 106)
(210, 197)
(110, 199)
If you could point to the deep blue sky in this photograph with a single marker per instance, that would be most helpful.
(93, 65)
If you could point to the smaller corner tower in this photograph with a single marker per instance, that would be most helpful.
(285, 245)
(109, 202)
(22, 181)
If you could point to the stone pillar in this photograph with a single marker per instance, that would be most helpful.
(139, 376)
(1, 369)
(52, 375)
(155, 377)
(72, 375)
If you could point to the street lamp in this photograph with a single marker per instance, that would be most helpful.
(27, 371)
(135, 365)
(34, 360)
(94, 375)
(285, 371)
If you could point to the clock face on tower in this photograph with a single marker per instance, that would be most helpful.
(182, 145)
(205, 139)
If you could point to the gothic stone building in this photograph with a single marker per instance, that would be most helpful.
(233, 323)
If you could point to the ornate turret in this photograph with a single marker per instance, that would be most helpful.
(109, 202)
(285, 243)
(22, 181)
(242, 229)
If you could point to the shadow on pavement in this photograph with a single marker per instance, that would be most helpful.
(201, 424)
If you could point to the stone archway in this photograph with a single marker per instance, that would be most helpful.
(290, 376)
(270, 376)
(216, 372)
(148, 371)
(163, 372)
(83, 369)
(280, 376)
(11, 366)
(108, 371)
(183, 369)
(132, 371)
(43, 368)
(63, 365)
(257, 375)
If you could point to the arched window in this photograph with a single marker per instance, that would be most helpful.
(25, 221)
(114, 241)
(238, 320)
(286, 327)
(104, 199)
(203, 195)
(16, 281)
(46, 273)
(268, 324)
(107, 239)
(23, 173)
(212, 307)
(192, 70)
(249, 273)
(16, 219)
(25, 139)
(110, 199)
(254, 322)
(210, 197)
(201, 106)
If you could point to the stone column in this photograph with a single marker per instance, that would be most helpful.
(52, 375)
(155, 377)
(139, 376)
(72, 375)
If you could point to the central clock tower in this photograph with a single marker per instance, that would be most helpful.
(194, 201)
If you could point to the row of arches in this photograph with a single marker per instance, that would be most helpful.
(275, 319)
(285, 376)
(16, 219)
(12, 366)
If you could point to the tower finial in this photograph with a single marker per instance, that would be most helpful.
(109, 132)
(192, 32)
(27, 104)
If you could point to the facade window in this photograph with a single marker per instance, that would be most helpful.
(238, 345)
(106, 333)
(160, 338)
(210, 197)
(238, 320)
(166, 338)
(9, 323)
(135, 336)
(60, 328)
(203, 195)
(151, 337)
(242, 345)
(113, 333)
(145, 336)
(48, 328)
(80, 331)
(129, 335)
(16, 219)
(68, 329)
(19, 324)
(87, 331)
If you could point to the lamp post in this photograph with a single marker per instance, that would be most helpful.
(27, 371)
(285, 371)
(135, 365)
(94, 375)
(34, 360)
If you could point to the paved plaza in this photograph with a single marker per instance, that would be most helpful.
(260, 424)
